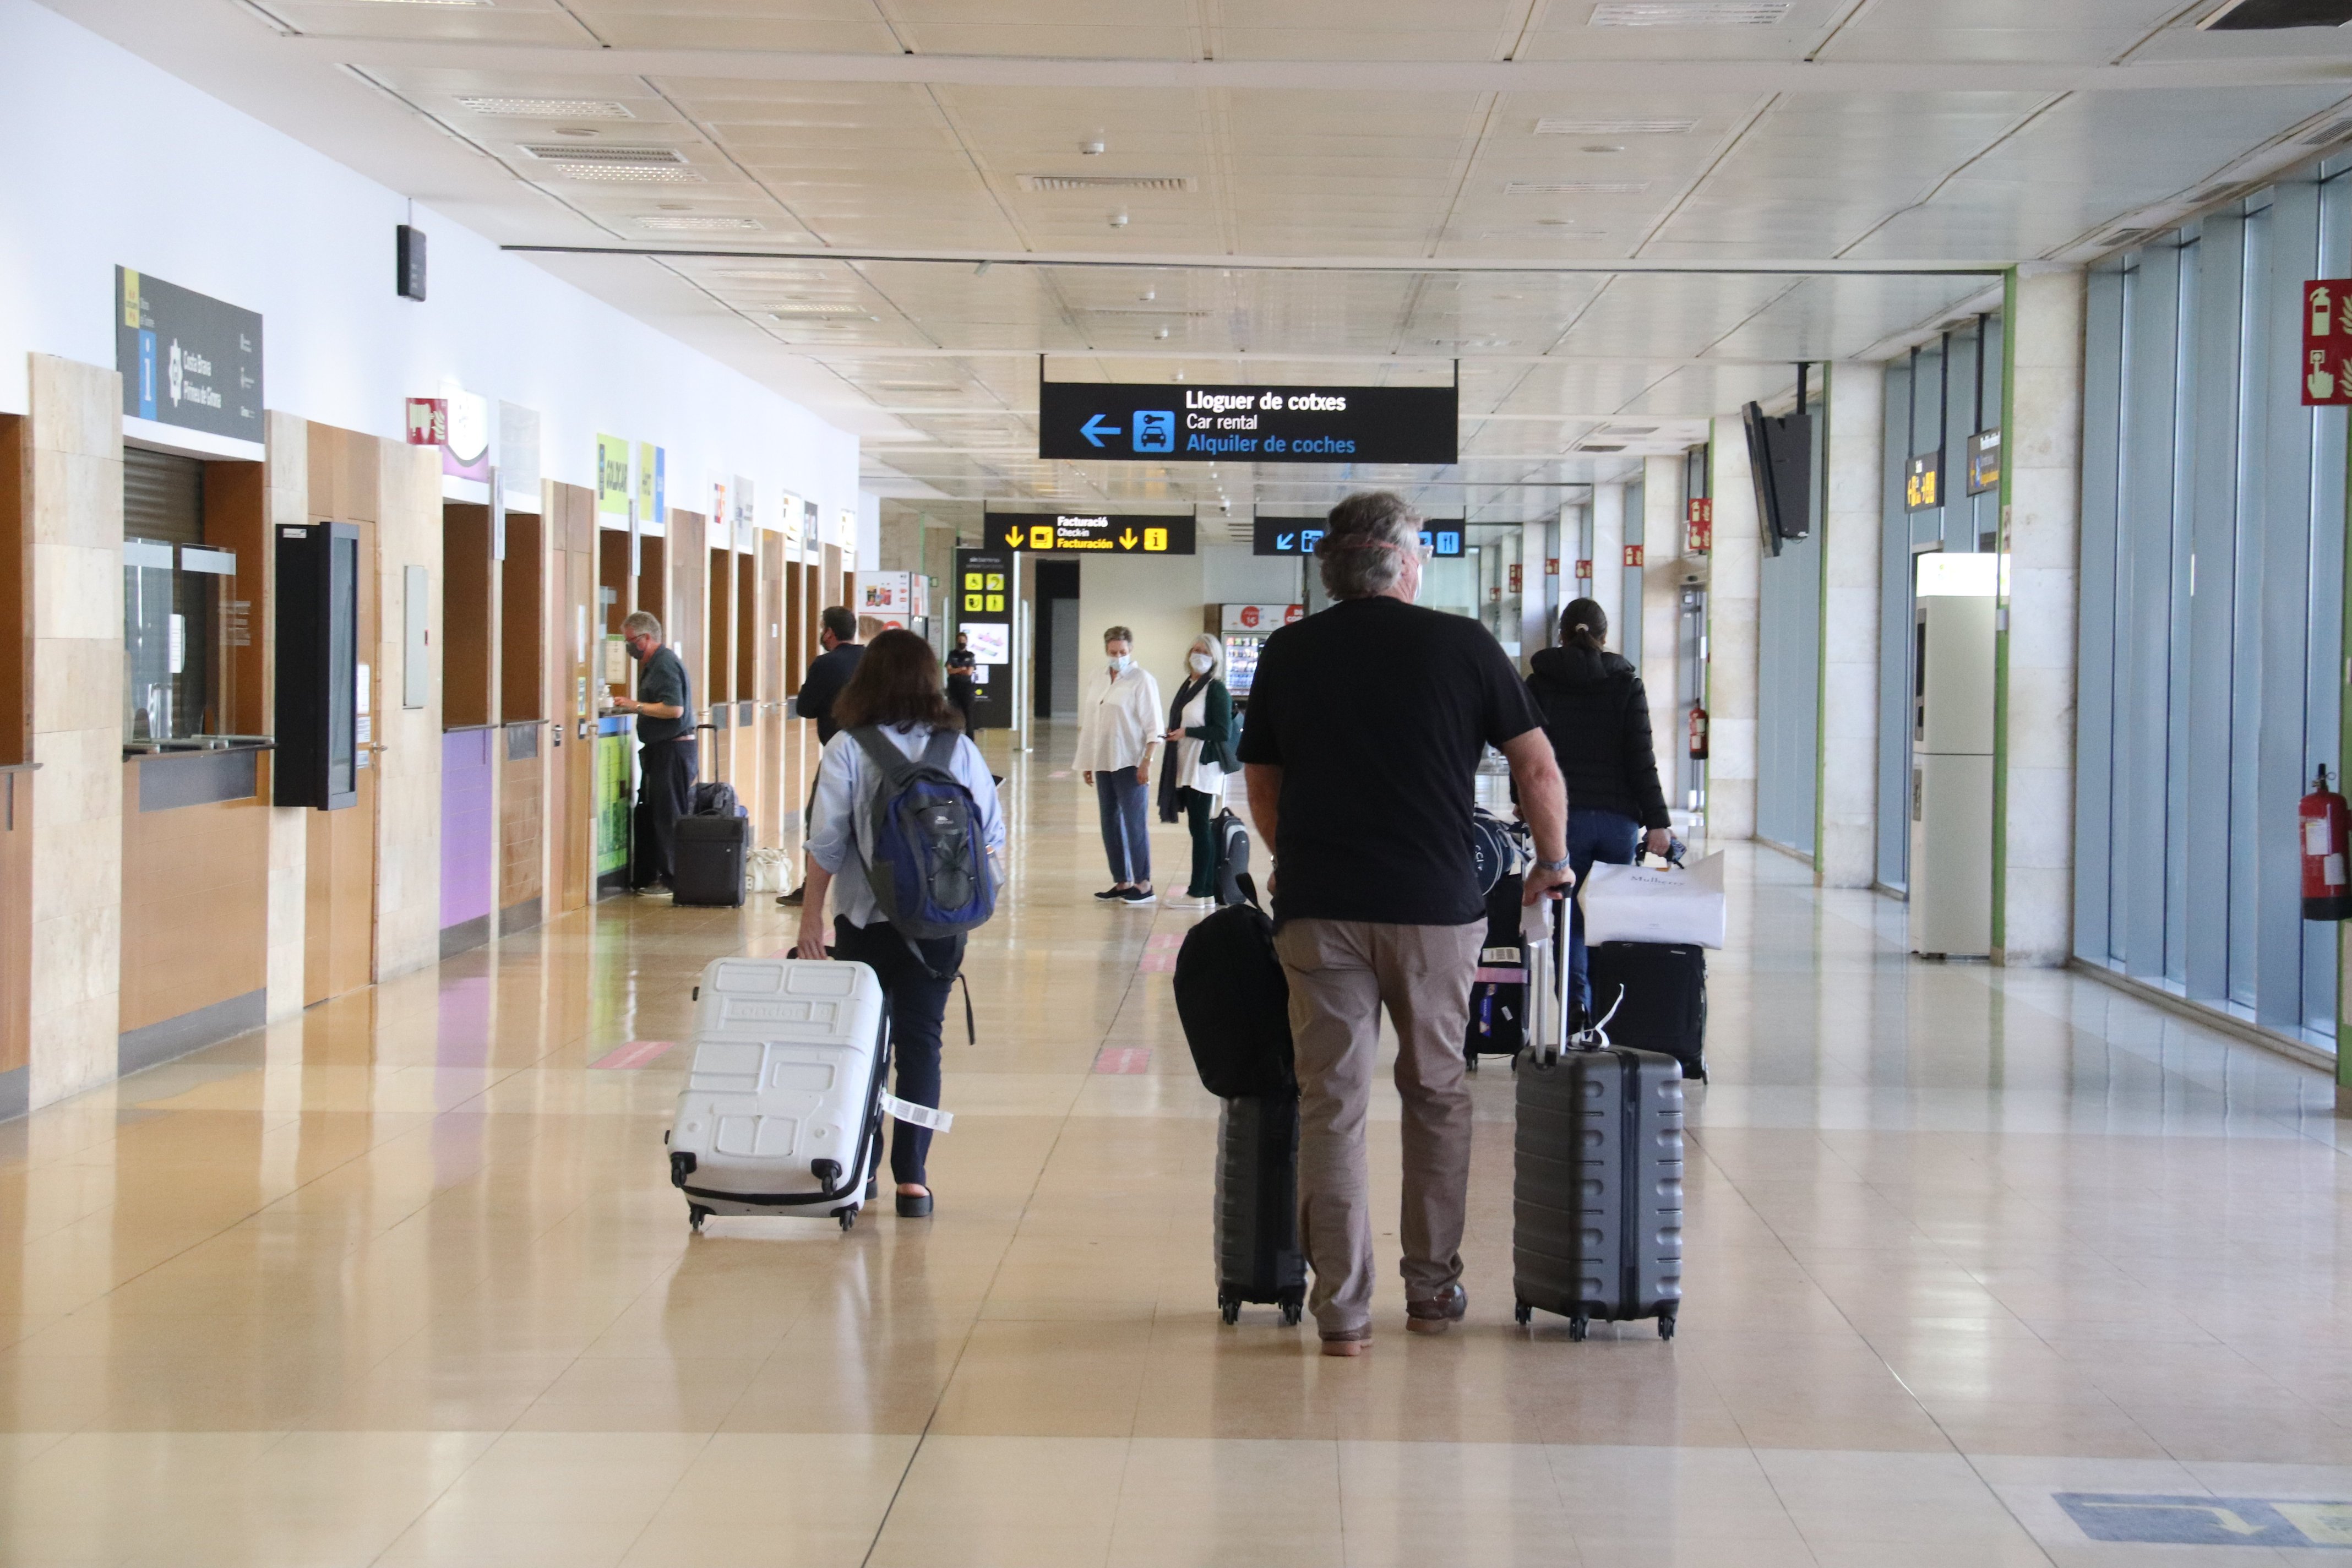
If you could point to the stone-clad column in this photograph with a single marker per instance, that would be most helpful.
(1734, 584)
(1847, 856)
(2042, 488)
(1609, 552)
(1660, 609)
(76, 979)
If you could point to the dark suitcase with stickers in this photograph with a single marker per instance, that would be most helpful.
(1498, 992)
(708, 855)
(1597, 1180)
(1664, 987)
(1258, 1256)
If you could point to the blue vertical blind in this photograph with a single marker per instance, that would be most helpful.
(2212, 602)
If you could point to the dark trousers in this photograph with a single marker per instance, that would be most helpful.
(1124, 808)
(1200, 817)
(918, 1004)
(1609, 838)
(665, 773)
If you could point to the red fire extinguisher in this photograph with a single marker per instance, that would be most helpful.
(2325, 817)
(1698, 737)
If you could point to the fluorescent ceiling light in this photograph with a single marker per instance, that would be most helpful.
(1105, 182)
(631, 173)
(1557, 126)
(431, 2)
(668, 224)
(547, 108)
(1575, 187)
(1689, 13)
(816, 309)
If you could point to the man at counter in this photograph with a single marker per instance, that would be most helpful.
(827, 674)
(666, 756)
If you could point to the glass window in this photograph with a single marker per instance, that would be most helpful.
(179, 613)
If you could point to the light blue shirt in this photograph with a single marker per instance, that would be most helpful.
(846, 783)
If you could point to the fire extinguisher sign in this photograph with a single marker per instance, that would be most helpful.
(2326, 367)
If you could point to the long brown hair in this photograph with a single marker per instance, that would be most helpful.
(896, 682)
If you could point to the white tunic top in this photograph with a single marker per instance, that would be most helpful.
(1120, 720)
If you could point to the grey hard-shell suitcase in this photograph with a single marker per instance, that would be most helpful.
(1597, 1188)
(1258, 1256)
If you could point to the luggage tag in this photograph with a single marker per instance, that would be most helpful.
(914, 1115)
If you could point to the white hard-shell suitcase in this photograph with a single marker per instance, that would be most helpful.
(781, 1111)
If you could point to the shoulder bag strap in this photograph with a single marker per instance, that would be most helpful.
(939, 753)
(896, 768)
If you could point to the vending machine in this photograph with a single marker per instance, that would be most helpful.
(1245, 629)
(1951, 755)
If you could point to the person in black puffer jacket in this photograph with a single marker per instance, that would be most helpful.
(1598, 718)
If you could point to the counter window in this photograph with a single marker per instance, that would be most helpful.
(179, 616)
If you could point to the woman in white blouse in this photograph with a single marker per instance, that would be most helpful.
(895, 691)
(1199, 743)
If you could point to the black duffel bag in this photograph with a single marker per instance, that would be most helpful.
(1236, 1003)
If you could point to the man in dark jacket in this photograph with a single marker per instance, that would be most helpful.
(1598, 718)
(827, 674)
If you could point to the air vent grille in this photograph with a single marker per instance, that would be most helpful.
(1601, 446)
(1556, 126)
(678, 224)
(547, 108)
(631, 173)
(2335, 130)
(815, 310)
(1689, 13)
(1575, 187)
(1105, 182)
(1140, 310)
(2127, 236)
(575, 153)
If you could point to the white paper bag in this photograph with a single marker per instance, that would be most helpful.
(765, 872)
(1642, 903)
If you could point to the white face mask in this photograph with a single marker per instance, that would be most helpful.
(1202, 663)
(1121, 661)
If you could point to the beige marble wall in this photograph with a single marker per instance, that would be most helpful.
(2044, 453)
(1735, 582)
(1662, 585)
(75, 437)
(408, 781)
(1847, 856)
(1609, 553)
(287, 500)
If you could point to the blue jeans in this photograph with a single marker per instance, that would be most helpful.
(1124, 806)
(1609, 838)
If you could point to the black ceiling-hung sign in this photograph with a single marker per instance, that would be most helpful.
(1297, 535)
(1091, 532)
(1163, 422)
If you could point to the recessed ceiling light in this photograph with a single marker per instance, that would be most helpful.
(1595, 147)
(775, 273)
(546, 108)
(815, 309)
(1689, 13)
(1559, 126)
(432, 2)
(702, 224)
(1575, 187)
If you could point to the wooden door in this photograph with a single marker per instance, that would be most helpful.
(769, 814)
(575, 637)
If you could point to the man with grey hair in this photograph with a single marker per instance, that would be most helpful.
(665, 757)
(1366, 723)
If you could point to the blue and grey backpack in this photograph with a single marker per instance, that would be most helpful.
(925, 856)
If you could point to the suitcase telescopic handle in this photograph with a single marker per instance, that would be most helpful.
(1541, 925)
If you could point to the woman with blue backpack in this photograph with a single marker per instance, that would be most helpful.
(907, 835)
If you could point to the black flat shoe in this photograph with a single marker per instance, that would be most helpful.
(912, 1207)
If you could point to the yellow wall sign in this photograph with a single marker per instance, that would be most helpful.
(611, 476)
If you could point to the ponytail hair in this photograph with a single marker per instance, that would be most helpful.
(1585, 625)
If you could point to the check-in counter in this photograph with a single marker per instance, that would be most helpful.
(195, 899)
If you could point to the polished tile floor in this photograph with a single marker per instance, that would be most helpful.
(1985, 1269)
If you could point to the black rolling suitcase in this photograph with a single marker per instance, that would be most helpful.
(1597, 1187)
(710, 854)
(1664, 987)
(1232, 843)
(1258, 1257)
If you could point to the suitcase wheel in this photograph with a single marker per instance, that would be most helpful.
(1473, 1061)
(1666, 1325)
(1522, 1314)
(1291, 1313)
(1229, 1309)
(847, 1217)
(1578, 1326)
(695, 1215)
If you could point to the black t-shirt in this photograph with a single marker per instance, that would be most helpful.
(827, 674)
(1376, 712)
(663, 679)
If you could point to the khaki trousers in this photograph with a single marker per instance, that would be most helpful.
(1341, 973)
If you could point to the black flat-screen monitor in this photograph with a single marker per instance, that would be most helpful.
(1781, 459)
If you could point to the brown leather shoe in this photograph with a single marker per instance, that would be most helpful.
(1347, 1341)
(1439, 1314)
